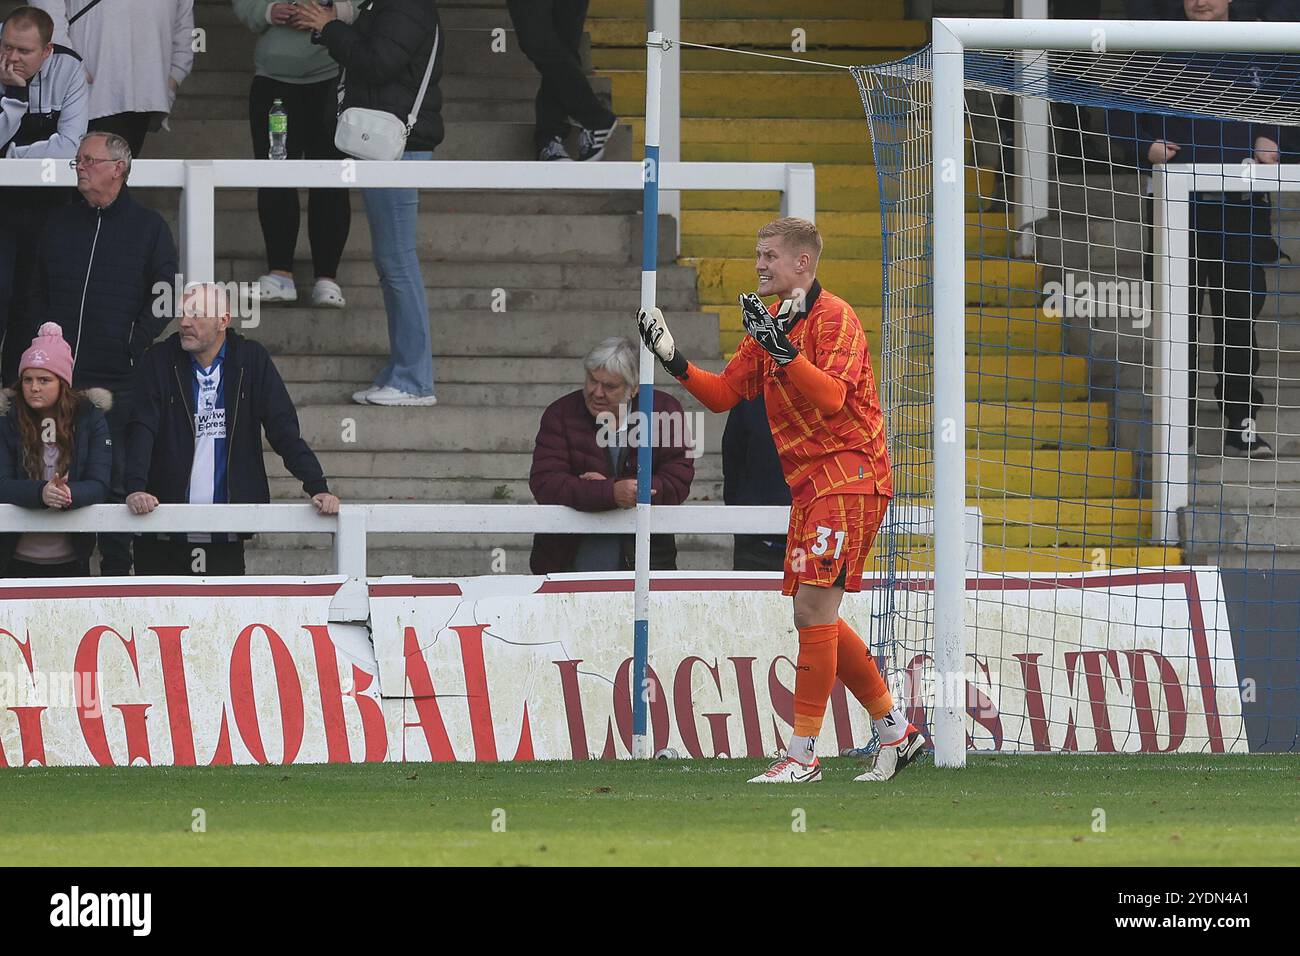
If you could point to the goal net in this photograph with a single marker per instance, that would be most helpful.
(1131, 398)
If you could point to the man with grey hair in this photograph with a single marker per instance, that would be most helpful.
(585, 458)
(98, 263)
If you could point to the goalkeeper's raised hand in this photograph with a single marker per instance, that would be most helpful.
(657, 338)
(767, 330)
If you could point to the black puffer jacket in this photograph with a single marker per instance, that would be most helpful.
(384, 55)
(96, 276)
(88, 471)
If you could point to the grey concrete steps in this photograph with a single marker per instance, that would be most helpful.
(559, 373)
(449, 236)
(235, 84)
(528, 300)
(520, 275)
(453, 394)
(513, 202)
(234, 106)
(373, 429)
(425, 464)
(298, 331)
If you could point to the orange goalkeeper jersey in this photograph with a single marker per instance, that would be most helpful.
(843, 452)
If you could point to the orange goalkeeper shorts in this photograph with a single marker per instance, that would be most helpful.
(829, 540)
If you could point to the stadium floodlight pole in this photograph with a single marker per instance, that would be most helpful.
(948, 724)
(646, 397)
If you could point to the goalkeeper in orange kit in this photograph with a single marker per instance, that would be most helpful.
(807, 356)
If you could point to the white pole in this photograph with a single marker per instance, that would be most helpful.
(645, 401)
(948, 725)
(198, 222)
(1032, 118)
(1171, 249)
(667, 20)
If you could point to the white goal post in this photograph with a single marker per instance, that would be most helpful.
(952, 37)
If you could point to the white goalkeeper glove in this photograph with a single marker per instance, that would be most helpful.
(657, 338)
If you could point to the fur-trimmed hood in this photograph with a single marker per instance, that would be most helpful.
(101, 398)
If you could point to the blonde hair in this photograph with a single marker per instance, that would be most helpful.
(797, 235)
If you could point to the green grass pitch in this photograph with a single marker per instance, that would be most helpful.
(1158, 810)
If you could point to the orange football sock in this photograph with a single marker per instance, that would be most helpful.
(857, 669)
(814, 678)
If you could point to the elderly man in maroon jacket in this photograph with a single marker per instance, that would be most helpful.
(586, 458)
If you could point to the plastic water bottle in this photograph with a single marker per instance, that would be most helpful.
(278, 127)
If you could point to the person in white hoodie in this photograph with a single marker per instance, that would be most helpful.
(136, 54)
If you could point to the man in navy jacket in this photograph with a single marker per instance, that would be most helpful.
(100, 264)
(204, 396)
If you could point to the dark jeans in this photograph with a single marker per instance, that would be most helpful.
(21, 225)
(179, 558)
(311, 109)
(1228, 288)
(549, 33)
(115, 549)
(132, 127)
(72, 569)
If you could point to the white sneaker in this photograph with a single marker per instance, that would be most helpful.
(788, 770)
(893, 758)
(274, 288)
(326, 294)
(393, 396)
(363, 397)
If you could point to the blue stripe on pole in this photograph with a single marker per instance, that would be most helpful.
(650, 222)
(640, 664)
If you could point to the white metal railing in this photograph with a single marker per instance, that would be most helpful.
(356, 521)
(1174, 185)
(199, 179)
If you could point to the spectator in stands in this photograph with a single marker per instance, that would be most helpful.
(137, 53)
(752, 475)
(43, 116)
(1231, 238)
(550, 34)
(66, 466)
(586, 459)
(206, 395)
(304, 77)
(100, 264)
(385, 56)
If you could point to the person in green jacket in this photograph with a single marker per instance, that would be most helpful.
(302, 75)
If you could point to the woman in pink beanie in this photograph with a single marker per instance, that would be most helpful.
(55, 452)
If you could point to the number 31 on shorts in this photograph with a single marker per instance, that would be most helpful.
(823, 541)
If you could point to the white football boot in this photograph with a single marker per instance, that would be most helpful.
(788, 770)
(892, 758)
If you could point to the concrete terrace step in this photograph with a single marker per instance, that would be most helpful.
(769, 95)
(447, 236)
(704, 9)
(1090, 473)
(361, 332)
(512, 276)
(453, 394)
(630, 59)
(371, 428)
(499, 202)
(563, 374)
(488, 300)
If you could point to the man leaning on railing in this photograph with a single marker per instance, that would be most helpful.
(204, 396)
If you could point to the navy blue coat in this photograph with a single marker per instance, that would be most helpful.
(89, 469)
(160, 434)
(96, 275)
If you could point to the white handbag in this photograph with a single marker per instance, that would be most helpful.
(377, 134)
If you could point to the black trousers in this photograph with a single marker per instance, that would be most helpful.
(132, 127)
(188, 559)
(311, 110)
(1229, 289)
(550, 34)
(23, 569)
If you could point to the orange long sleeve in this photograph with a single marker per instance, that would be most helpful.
(712, 390)
(826, 392)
